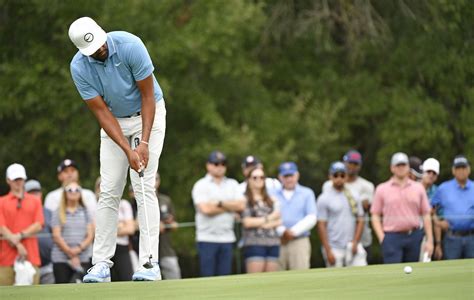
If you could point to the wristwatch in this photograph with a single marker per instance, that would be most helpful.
(219, 204)
(22, 235)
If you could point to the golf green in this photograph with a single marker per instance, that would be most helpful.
(435, 280)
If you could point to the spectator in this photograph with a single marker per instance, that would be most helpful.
(72, 234)
(340, 222)
(216, 199)
(430, 170)
(402, 203)
(69, 172)
(168, 260)
(45, 239)
(456, 200)
(251, 162)
(358, 186)
(122, 270)
(298, 214)
(21, 218)
(260, 219)
(415, 168)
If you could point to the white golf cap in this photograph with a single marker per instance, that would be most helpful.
(16, 171)
(399, 158)
(87, 35)
(431, 164)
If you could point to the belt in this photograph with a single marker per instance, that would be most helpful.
(408, 232)
(461, 232)
(133, 115)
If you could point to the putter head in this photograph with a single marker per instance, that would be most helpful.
(148, 265)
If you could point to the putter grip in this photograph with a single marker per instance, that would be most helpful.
(141, 173)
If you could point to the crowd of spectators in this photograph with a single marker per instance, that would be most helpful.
(412, 217)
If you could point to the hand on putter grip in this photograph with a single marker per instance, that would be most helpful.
(134, 160)
(142, 150)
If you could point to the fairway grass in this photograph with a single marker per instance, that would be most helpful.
(435, 280)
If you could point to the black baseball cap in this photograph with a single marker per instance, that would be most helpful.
(460, 161)
(67, 163)
(216, 157)
(250, 160)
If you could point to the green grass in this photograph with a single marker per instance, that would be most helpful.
(436, 280)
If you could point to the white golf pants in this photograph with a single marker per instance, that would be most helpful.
(113, 171)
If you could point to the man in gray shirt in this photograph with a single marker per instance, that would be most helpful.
(340, 222)
(216, 199)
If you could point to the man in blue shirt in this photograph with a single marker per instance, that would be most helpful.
(456, 200)
(298, 214)
(113, 73)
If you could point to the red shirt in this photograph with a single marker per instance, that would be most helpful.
(16, 220)
(401, 206)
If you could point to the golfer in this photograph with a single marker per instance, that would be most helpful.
(113, 73)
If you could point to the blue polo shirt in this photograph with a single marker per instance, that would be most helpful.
(115, 78)
(457, 204)
(301, 204)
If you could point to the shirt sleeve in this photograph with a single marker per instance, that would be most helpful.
(199, 193)
(367, 192)
(360, 208)
(2, 216)
(425, 207)
(322, 209)
(377, 204)
(86, 90)
(139, 61)
(55, 219)
(311, 203)
(326, 186)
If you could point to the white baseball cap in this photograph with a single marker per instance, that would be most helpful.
(399, 158)
(16, 171)
(87, 35)
(431, 164)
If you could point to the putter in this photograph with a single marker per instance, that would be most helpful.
(141, 174)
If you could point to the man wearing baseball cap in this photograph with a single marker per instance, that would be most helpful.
(340, 222)
(401, 203)
(68, 171)
(216, 199)
(113, 73)
(298, 214)
(21, 218)
(455, 198)
(359, 186)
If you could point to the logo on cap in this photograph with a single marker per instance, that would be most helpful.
(88, 37)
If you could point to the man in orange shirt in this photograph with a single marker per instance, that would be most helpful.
(21, 217)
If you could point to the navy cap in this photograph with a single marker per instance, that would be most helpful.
(66, 163)
(250, 160)
(287, 168)
(353, 156)
(216, 157)
(337, 167)
(460, 161)
(415, 166)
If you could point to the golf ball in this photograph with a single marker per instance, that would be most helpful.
(407, 270)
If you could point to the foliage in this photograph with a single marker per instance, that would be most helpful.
(285, 80)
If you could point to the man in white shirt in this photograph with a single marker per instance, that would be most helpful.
(69, 172)
(216, 199)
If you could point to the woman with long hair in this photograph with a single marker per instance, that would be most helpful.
(72, 234)
(260, 219)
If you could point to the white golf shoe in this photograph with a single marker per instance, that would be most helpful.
(144, 274)
(100, 272)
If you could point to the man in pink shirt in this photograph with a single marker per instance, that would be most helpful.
(400, 211)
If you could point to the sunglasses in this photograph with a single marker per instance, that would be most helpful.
(73, 190)
(219, 164)
(337, 175)
(258, 177)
